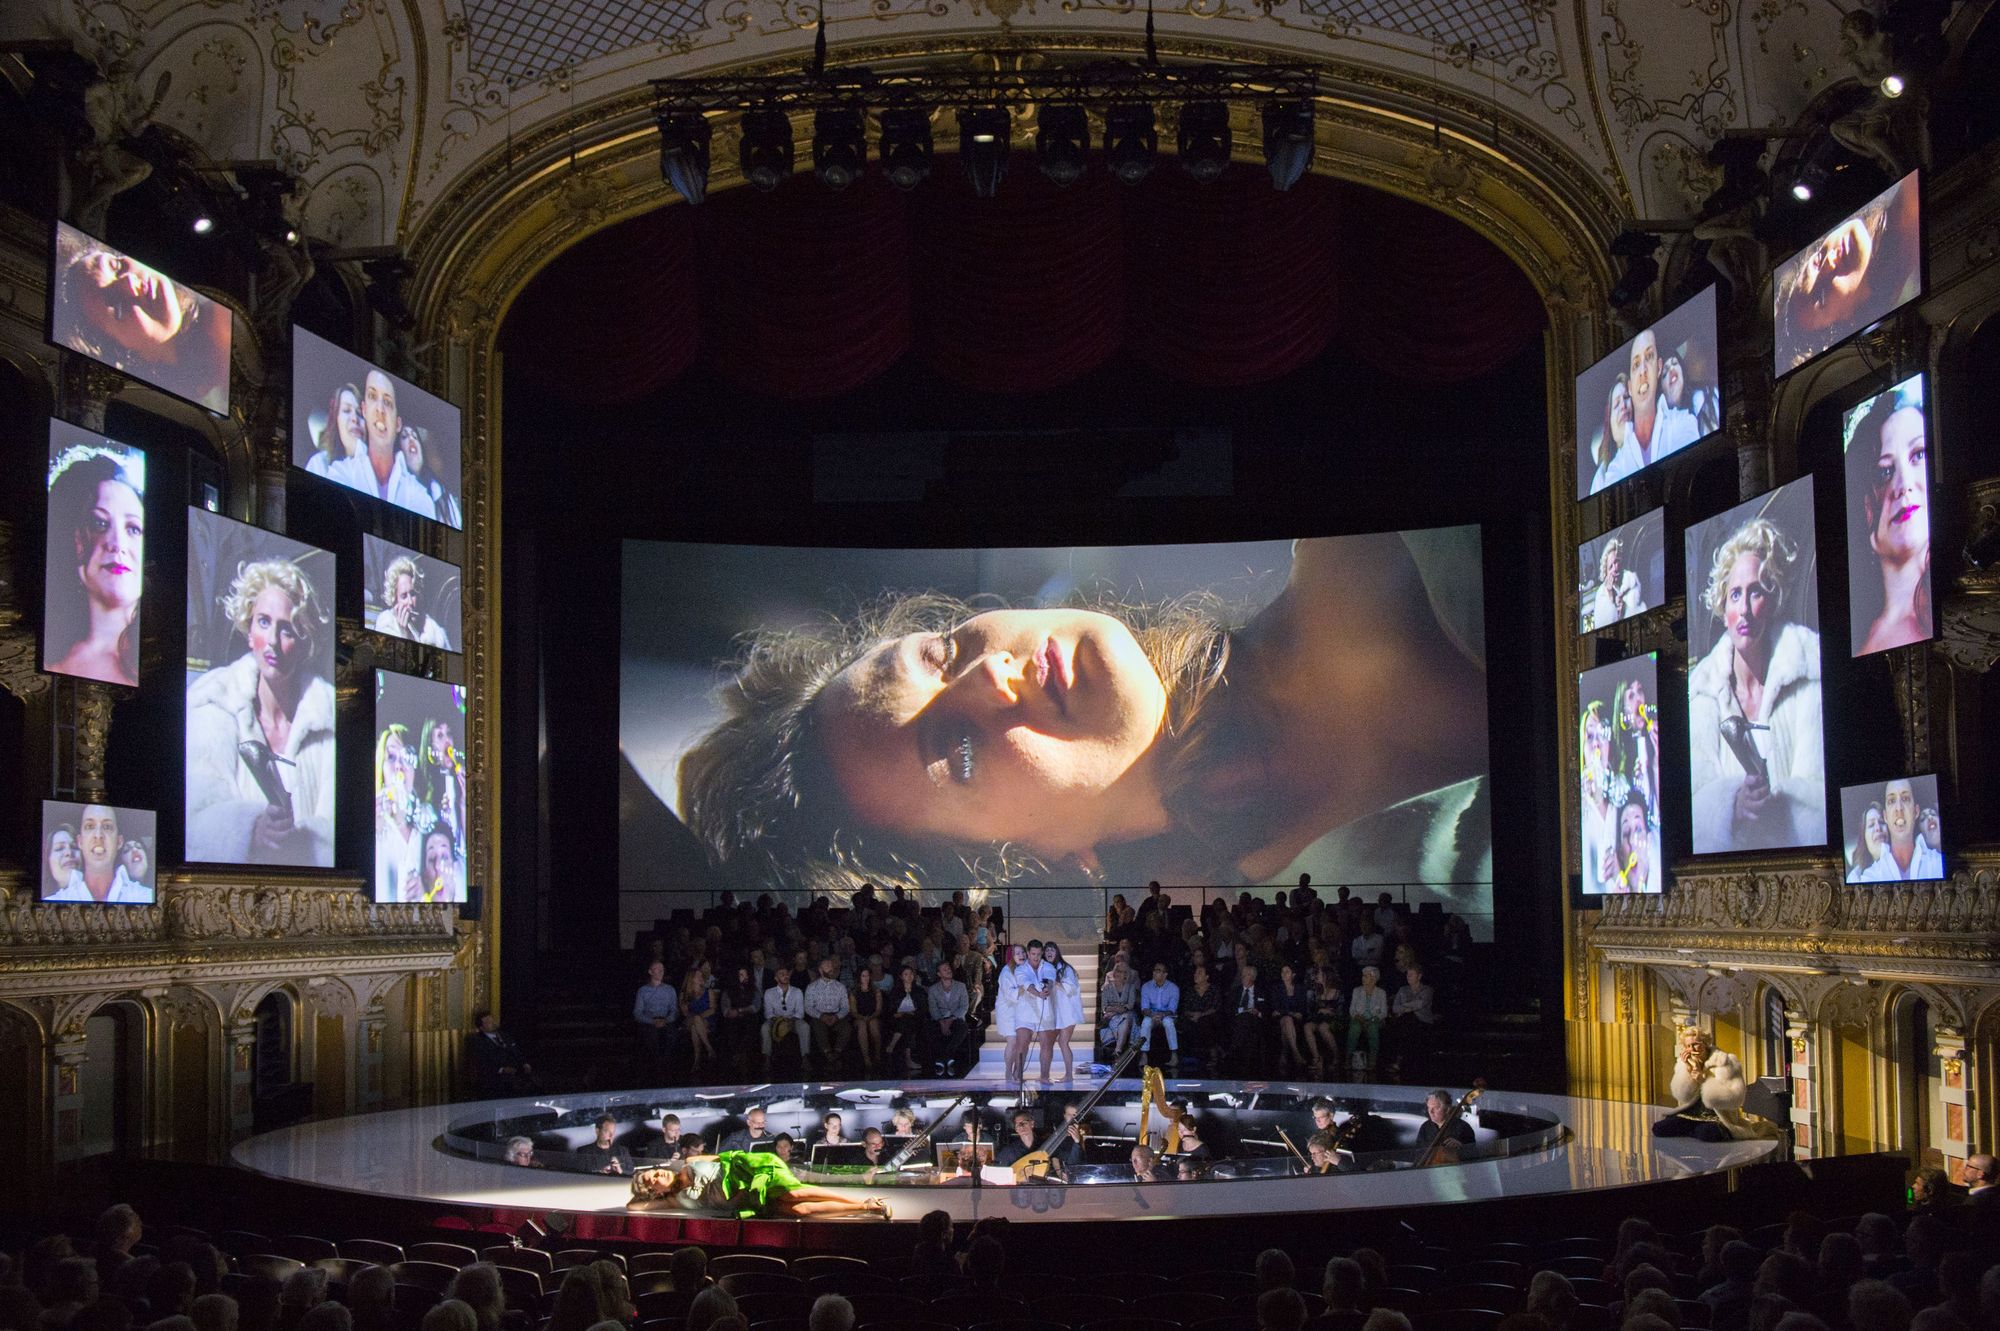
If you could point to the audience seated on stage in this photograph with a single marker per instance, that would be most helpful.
(1305, 1004)
(732, 957)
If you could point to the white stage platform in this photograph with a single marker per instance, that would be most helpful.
(1579, 1146)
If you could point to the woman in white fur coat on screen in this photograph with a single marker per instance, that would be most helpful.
(1766, 670)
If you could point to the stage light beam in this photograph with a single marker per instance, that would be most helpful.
(983, 132)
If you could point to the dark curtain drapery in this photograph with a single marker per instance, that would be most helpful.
(805, 293)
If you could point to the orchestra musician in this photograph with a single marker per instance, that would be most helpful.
(871, 1145)
(1145, 1164)
(1024, 1139)
(1458, 1133)
(1325, 1156)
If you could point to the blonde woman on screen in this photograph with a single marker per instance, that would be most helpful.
(270, 706)
(1764, 671)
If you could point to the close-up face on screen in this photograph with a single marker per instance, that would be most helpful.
(1652, 397)
(1866, 267)
(97, 854)
(420, 789)
(1891, 831)
(260, 704)
(405, 594)
(1618, 762)
(1884, 442)
(357, 425)
(1756, 752)
(96, 556)
(110, 307)
(947, 718)
(1623, 572)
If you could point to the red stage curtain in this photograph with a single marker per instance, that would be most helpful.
(613, 320)
(805, 293)
(1427, 299)
(1021, 292)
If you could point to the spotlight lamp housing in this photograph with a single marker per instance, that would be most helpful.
(1205, 140)
(1062, 143)
(1642, 269)
(1131, 143)
(767, 152)
(1894, 85)
(906, 145)
(840, 146)
(684, 153)
(1288, 142)
(983, 134)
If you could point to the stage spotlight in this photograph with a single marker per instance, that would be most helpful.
(840, 146)
(1641, 268)
(767, 148)
(684, 139)
(1288, 141)
(1802, 190)
(1743, 179)
(1205, 140)
(1131, 144)
(1062, 143)
(202, 225)
(906, 146)
(983, 132)
(1893, 85)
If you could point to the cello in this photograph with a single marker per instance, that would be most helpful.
(1434, 1154)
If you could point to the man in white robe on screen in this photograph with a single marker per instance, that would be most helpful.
(1910, 857)
(379, 469)
(99, 876)
(1649, 429)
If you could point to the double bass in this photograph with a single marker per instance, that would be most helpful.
(1039, 1163)
(1434, 1154)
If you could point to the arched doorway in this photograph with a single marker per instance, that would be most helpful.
(112, 1080)
(1918, 1115)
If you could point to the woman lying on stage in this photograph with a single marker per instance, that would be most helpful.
(748, 1184)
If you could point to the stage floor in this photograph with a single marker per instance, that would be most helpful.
(1600, 1145)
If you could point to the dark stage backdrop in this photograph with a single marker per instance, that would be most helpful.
(1095, 367)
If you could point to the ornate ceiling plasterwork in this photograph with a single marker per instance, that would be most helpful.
(382, 106)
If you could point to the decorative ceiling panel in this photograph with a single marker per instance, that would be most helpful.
(518, 41)
(1490, 29)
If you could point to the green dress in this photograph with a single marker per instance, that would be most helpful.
(748, 1181)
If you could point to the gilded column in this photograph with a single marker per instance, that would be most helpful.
(242, 1081)
(1954, 1091)
(67, 1058)
(368, 1041)
(1801, 1039)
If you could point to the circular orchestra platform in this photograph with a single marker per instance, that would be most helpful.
(1524, 1146)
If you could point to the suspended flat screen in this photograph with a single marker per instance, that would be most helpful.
(1868, 266)
(97, 854)
(358, 425)
(1618, 757)
(1658, 394)
(1884, 439)
(96, 556)
(108, 306)
(1891, 831)
(261, 751)
(409, 595)
(1756, 760)
(1623, 572)
(420, 789)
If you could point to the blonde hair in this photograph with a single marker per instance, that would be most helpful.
(308, 615)
(398, 567)
(1777, 559)
(1604, 555)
